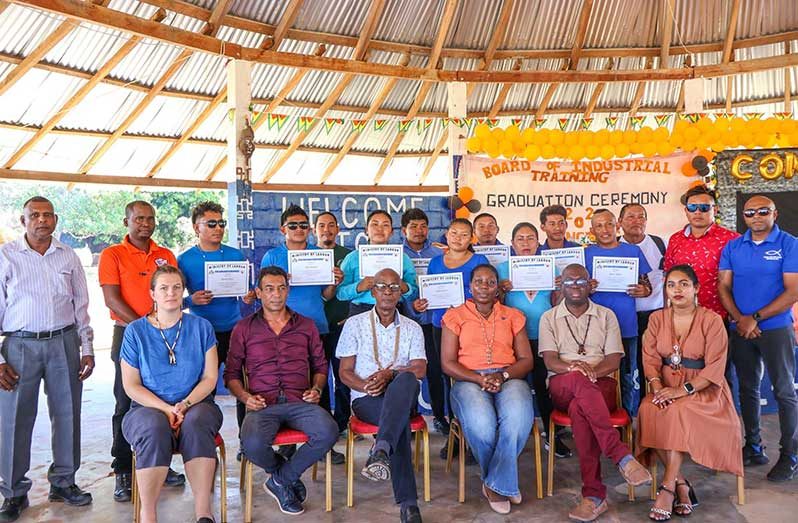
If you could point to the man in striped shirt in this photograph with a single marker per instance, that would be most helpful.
(44, 321)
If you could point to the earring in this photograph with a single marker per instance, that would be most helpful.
(669, 302)
(695, 300)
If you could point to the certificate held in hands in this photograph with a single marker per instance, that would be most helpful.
(532, 273)
(311, 267)
(615, 274)
(374, 258)
(495, 254)
(565, 257)
(441, 290)
(227, 279)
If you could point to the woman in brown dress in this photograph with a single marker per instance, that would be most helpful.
(690, 408)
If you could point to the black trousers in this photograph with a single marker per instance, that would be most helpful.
(435, 377)
(120, 448)
(437, 334)
(341, 391)
(222, 348)
(538, 381)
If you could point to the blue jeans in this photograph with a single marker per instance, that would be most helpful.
(630, 379)
(496, 427)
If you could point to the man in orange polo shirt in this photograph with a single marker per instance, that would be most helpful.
(125, 271)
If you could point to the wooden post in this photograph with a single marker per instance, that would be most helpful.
(457, 109)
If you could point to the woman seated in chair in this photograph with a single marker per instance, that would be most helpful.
(169, 371)
(690, 410)
(485, 348)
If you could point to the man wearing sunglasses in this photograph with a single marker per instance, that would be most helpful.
(307, 300)
(223, 313)
(382, 360)
(580, 341)
(758, 286)
(699, 245)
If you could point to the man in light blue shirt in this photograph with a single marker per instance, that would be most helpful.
(415, 229)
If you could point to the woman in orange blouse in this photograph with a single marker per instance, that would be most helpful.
(690, 410)
(485, 348)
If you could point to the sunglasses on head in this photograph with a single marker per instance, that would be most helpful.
(762, 211)
(702, 207)
(211, 224)
(293, 225)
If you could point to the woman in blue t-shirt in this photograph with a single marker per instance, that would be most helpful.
(169, 369)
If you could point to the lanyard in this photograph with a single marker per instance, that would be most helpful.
(171, 348)
(374, 344)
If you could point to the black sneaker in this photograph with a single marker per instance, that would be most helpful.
(441, 425)
(174, 478)
(71, 495)
(286, 499)
(378, 467)
(561, 450)
(300, 491)
(13, 507)
(206, 520)
(410, 514)
(122, 492)
(239, 454)
(784, 469)
(754, 455)
(337, 458)
(286, 451)
(445, 450)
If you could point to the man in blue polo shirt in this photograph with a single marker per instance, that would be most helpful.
(553, 223)
(307, 300)
(605, 228)
(758, 284)
(415, 230)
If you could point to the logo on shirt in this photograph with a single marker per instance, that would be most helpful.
(772, 255)
(160, 262)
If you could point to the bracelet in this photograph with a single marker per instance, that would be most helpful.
(187, 402)
(651, 380)
(318, 390)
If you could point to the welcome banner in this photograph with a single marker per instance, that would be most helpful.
(517, 190)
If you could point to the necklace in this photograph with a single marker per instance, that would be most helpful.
(581, 345)
(202, 253)
(675, 359)
(171, 348)
(376, 349)
(488, 342)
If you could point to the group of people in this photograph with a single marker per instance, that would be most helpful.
(704, 298)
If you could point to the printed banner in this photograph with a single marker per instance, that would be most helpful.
(517, 190)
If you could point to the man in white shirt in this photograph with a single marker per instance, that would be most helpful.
(44, 320)
(382, 358)
(633, 220)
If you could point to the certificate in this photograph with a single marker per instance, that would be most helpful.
(565, 257)
(311, 267)
(532, 273)
(374, 258)
(227, 279)
(441, 290)
(495, 254)
(421, 265)
(614, 274)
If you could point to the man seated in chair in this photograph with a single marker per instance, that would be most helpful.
(580, 342)
(286, 369)
(382, 358)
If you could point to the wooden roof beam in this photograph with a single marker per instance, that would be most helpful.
(286, 21)
(81, 94)
(787, 81)
(667, 13)
(731, 30)
(591, 104)
(369, 27)
(639, 90)
(581, 33)
(219, 11)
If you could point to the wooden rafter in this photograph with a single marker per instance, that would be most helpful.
(581, 33)
(79, 96)
(666, 14)
(594, 98)
(787, 81)
(221, 97)
(286, 21)
(369, 26)
(440, 38)
(219, 11)
(3, 5)
(731, 29)
(639, 91)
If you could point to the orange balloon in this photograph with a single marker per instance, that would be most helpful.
(688, 169)
(465, 194)
(462, 212)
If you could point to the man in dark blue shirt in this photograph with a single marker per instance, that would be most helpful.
(553, 222)
(758, 284)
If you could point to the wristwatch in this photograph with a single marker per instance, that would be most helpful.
(505, 375)
(318, 390)
(689, 389)
(756, 316)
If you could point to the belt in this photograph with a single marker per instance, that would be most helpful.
(688, 363)
(44, 335)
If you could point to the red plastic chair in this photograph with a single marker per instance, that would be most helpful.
(418, 425)
(285, 436)
(618, 418)
(220, 449)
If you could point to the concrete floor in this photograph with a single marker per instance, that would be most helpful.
(766, 502)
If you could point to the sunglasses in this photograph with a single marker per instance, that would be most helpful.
(702, 207)
(387, 287)
(293, 225)
(581, 282)
(762, 211)
(211, 224)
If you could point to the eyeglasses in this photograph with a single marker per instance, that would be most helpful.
(702, 207)
(387, 287)
(293, 225)
(581, 282)
(762, 211)
(211, 224)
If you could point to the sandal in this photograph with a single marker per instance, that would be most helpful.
(665, 515)
(685, 509)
